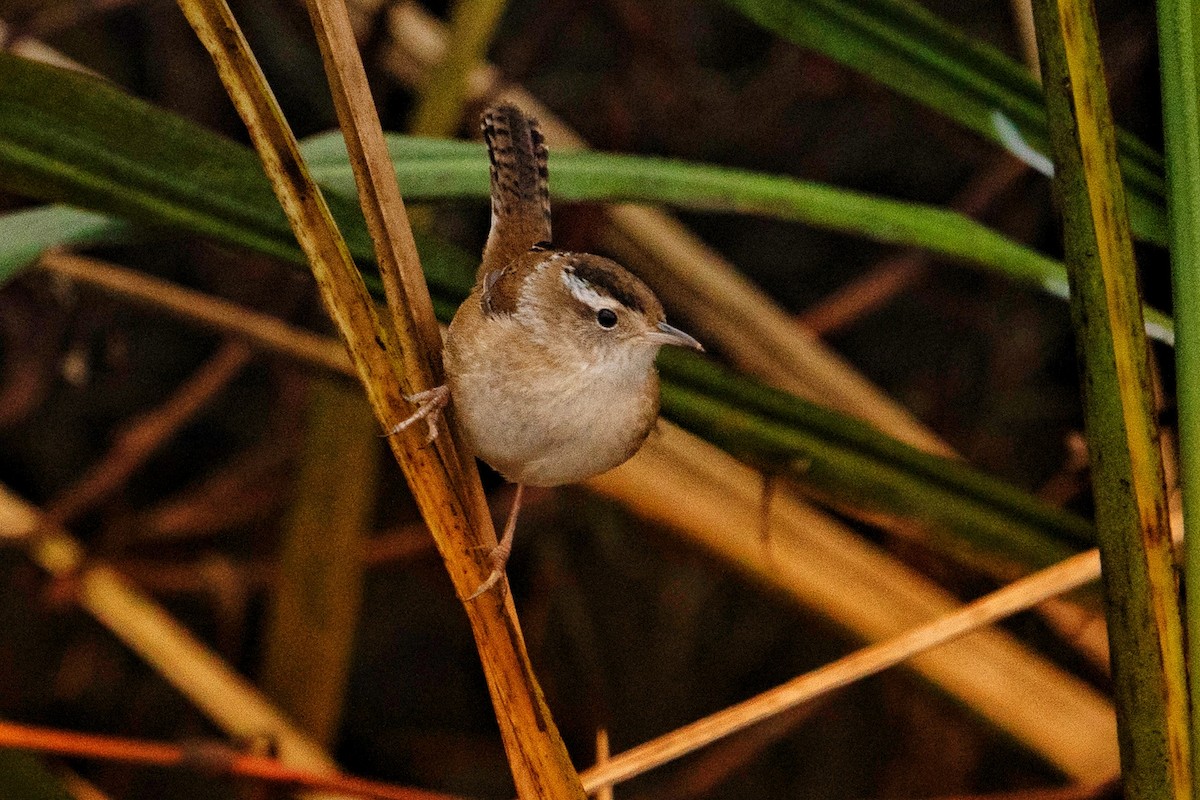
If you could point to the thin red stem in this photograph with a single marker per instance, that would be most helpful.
(209, 757)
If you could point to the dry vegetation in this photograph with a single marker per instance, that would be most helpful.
(178, 422)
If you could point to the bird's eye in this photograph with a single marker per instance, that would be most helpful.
(606, 317)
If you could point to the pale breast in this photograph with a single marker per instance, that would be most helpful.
(549, 426)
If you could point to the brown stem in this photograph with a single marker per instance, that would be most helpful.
(140, 439)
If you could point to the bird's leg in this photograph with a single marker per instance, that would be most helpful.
(502, 550)
(429, 408)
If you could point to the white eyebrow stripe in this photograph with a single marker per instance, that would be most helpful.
(584, 292)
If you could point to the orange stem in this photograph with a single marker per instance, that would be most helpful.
(209, 757)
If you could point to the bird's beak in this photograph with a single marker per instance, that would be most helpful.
(668, 334)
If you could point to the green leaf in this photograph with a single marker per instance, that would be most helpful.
(25, 234)
(68, 137)
(71, 138)
(186, 180)
(440, 169)
(851, 463)
(908, 49)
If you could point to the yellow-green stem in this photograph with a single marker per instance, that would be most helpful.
(1144, 622)
(1178, 29)
(440, 107)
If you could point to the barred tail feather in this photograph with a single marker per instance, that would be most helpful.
(520, 186)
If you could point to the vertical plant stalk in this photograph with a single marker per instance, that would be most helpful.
(396, 359)
(1144, 622)
(315, 602)
(444, 92)
(541, 766)
(1178, 28)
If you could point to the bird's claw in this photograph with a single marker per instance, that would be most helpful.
(500, 553)
(492, 579)
(429, 408)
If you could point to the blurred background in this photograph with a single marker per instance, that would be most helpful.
(204, 470)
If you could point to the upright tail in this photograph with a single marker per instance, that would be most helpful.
(520, 186)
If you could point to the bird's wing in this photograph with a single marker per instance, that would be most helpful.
(500, 291)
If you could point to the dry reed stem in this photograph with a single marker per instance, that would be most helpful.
(210, 312)
(210, 758)
(379, 195)
(143, 436)
(453, 495)
(1017, 596)
(822, 565)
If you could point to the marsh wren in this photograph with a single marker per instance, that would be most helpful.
(550, 360)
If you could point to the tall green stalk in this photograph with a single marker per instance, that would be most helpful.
(1144, 622)
(1178, 27)
(472, 26)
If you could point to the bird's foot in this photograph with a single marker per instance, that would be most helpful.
(498, 557)
(500, 553)
(492, 579)
(429, 408)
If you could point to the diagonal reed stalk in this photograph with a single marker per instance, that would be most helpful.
(1017, 596)
(1144, 621)
(394, 359)
(810, 561)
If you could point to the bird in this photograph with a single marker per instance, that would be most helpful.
(549, 362)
